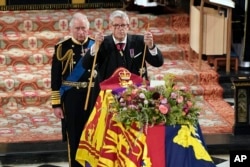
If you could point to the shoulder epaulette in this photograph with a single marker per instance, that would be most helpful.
(65, 39)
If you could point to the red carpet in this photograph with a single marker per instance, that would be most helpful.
(26, 47)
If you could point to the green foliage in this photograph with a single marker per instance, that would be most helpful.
(147, 106)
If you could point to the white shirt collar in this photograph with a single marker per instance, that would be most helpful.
(116, 41)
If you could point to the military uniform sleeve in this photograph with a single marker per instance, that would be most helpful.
(56, 79)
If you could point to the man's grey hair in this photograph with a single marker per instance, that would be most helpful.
(118, 13)
(79, 16)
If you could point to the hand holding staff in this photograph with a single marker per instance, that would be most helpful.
(98, 40)
(148, 40)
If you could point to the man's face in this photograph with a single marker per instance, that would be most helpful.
(79, 30)
(119, 28)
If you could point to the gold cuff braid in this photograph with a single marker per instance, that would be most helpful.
(55, 98)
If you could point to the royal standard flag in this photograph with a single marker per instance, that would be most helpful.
(93, 134)
(106, 143)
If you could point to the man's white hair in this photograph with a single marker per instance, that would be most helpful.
(79, 16)
(118, 13)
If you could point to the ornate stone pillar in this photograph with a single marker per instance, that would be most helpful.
(242, 105)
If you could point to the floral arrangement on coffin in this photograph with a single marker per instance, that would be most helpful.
(148, 106)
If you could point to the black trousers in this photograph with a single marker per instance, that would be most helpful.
(75, 117)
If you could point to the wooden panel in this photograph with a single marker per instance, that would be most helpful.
(2, 2)
(225, 36)
(214, 31)
(194, 28)
(78, 1)
(213, 41)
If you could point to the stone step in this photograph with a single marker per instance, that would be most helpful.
(31, 40)
(28, 123)
(24, 98)
(17, 56)
(57, 20)
(46, 38)
(21, 77)
(25, 78)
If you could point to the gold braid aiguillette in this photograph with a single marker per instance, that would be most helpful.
(68, 57)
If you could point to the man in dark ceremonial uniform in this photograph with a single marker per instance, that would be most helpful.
(69, 83)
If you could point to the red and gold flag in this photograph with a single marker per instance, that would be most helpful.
(106, 143)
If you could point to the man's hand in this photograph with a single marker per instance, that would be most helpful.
(58, 112)
(148, 39)
(99, 37)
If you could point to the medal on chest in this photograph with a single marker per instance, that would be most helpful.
(84, 51)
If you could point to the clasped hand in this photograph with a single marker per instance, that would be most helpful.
(148, 39)
(99, 37)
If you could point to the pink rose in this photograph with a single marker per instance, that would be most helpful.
(189, 103)
(180, 99)
(163, 109)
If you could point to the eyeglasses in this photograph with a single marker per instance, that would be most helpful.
(120, 25)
